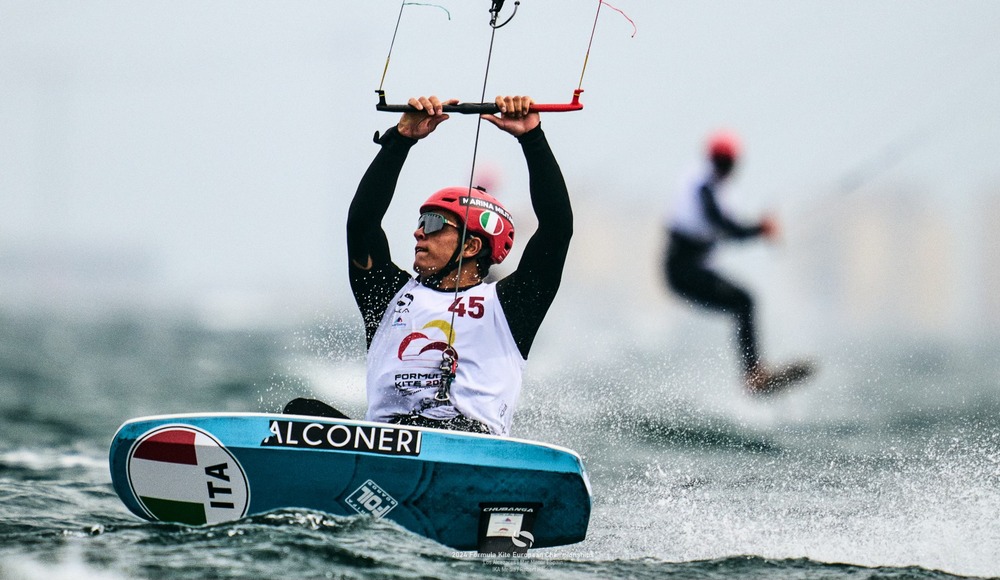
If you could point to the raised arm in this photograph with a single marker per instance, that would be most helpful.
(721, 221)
(366, 242)
(374, 278)
(528, 292)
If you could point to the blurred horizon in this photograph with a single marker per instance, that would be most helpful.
(201, 156)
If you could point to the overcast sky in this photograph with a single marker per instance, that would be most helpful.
(214, 146)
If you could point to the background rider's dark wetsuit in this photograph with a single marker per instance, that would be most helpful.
(525, 294)
(687, 272)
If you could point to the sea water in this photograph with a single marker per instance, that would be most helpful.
(885, 466)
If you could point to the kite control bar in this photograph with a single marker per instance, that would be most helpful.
(484, 108)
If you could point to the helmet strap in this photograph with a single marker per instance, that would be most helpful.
(434, 280)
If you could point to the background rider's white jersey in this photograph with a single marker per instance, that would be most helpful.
(686, 214)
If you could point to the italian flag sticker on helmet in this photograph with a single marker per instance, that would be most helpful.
(491, 223)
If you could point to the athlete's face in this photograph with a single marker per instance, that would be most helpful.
(433, 250)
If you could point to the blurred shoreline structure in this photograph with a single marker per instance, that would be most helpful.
(890, 262)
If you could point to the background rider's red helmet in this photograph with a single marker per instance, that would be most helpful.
(724, 144)
(487, 218)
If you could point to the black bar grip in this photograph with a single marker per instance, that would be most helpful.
(482, 108)
(461, 108)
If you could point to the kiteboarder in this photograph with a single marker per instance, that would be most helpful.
(446, 347)
(697, 222)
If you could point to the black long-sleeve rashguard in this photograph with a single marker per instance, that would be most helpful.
(526, 294)
(723, 222)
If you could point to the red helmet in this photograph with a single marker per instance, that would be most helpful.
(487, 218)
(724, 144)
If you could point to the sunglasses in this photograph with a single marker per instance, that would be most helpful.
(433, 222)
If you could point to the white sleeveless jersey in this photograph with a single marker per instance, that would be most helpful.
(405, 355)
(687, 214)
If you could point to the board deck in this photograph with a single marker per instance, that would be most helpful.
(453, 487)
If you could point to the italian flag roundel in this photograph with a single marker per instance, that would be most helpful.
(182, 474)
(491, 222)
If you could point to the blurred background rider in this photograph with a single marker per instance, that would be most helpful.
(698, 221)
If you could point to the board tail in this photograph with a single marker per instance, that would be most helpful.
(507, 528)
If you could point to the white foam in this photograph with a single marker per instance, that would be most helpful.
(71, 566)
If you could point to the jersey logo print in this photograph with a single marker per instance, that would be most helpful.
(424, 347)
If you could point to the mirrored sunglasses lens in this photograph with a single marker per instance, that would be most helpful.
(431, 222)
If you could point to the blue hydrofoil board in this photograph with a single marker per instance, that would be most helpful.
(464, 490)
